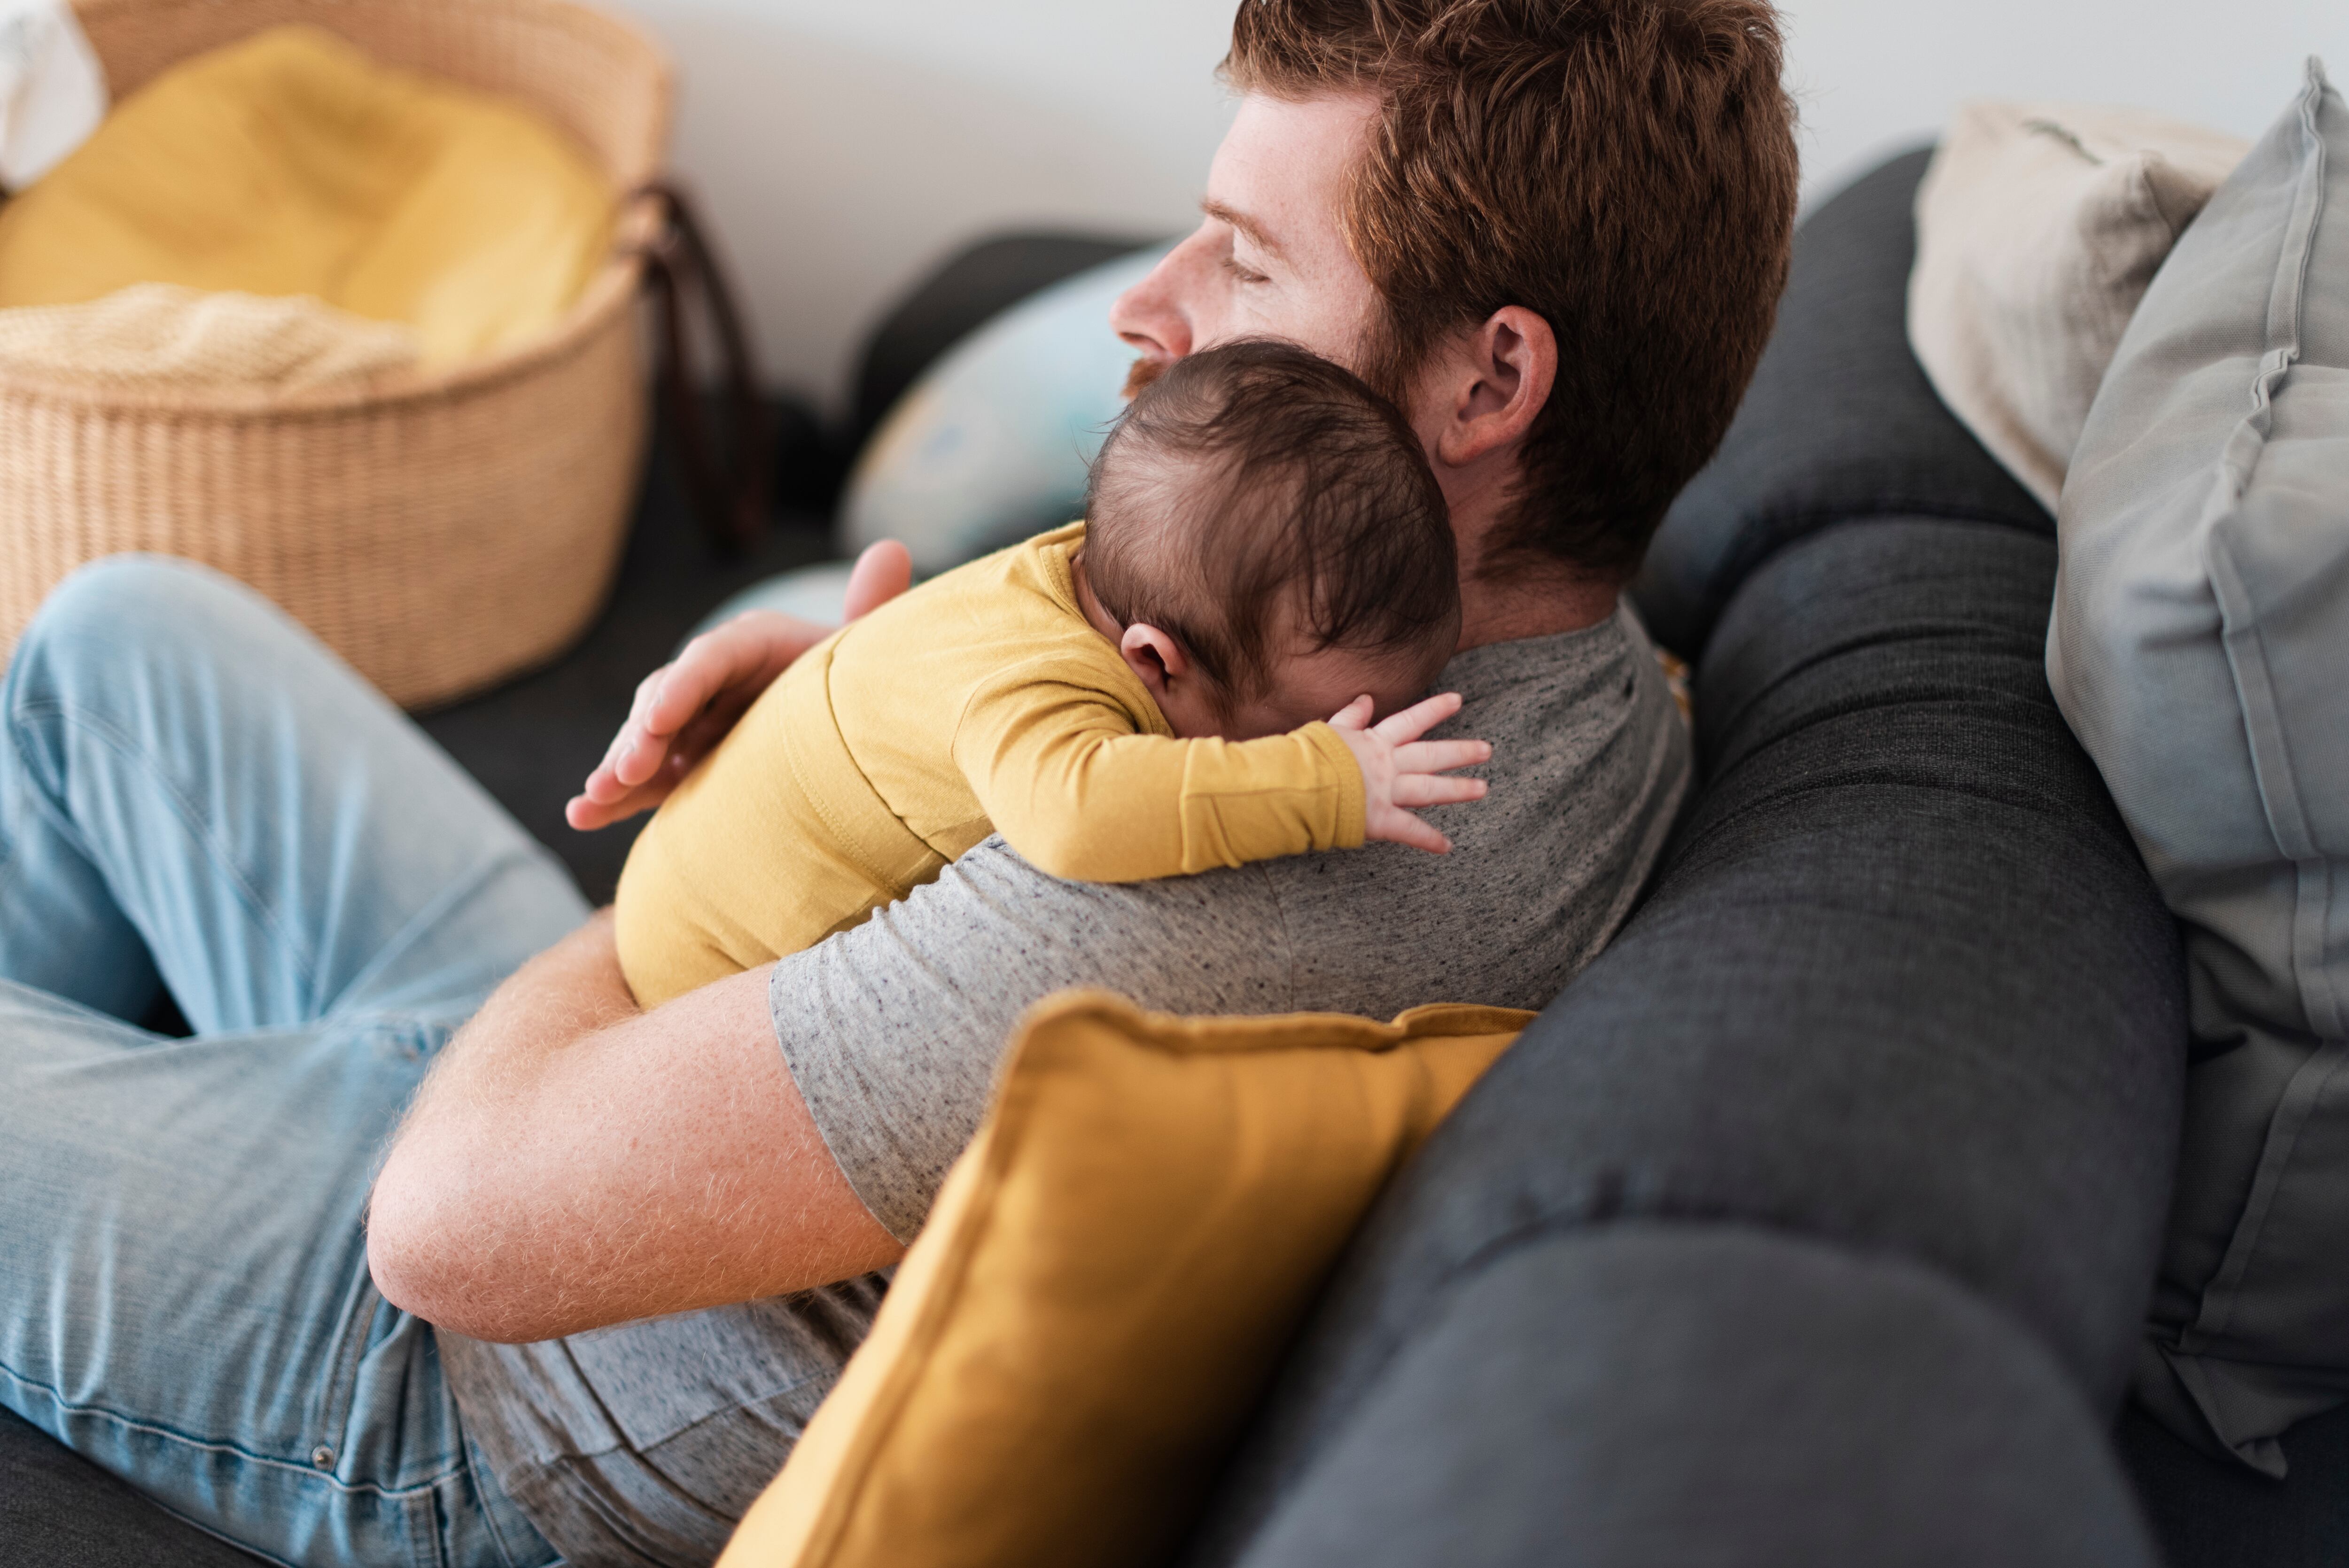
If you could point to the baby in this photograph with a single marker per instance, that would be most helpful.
(1142, 694)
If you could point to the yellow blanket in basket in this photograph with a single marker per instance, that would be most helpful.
(290, 163)
(163, 338)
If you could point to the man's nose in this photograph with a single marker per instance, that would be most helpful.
(1151, 315)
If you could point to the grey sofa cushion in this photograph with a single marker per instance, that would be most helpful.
(2200, 649)
(1893, 1418)
(1903, 988)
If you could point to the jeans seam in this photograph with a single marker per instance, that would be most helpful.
(489, 1515)
(394, 945)
(238, 1450)
(427, 1531)
(340, 1395)
(124, 747)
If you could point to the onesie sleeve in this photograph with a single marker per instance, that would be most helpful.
(1066, 779)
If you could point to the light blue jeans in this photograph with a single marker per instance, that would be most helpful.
(195, 794)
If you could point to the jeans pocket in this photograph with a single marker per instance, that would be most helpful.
(386, 1418)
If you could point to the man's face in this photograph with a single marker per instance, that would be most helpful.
(1270, 260)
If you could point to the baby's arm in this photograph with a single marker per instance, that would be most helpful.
(1066, 780)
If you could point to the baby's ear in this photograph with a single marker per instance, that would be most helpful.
(1154, 656)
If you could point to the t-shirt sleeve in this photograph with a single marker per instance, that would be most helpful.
(893, 1030)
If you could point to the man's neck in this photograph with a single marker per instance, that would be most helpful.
(1532, 606)
(1522, 596)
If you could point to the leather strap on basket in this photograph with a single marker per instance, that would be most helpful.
(727, 482)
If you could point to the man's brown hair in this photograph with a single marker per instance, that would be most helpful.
(1624, 168)
(1257, 493)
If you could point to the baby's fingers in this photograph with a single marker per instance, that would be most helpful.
(1403, 828)
(1355, 714)
(1435, 790)
(1441, 755)
(1418, 718)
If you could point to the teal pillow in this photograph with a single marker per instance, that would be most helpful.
(2200, 649)
(991, 444)
(812, 592)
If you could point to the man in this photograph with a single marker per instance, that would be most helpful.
(1555, 230)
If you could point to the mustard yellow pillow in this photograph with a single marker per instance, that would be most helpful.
(290, 163)
(1112, 1270)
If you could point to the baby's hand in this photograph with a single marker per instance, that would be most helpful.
(1400, 770)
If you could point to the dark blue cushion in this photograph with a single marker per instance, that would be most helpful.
(2210, 1513)
(961, 295)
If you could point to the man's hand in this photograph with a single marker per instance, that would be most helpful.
(1400, 770)
(683, 709)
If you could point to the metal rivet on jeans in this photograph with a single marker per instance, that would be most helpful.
(323, 1457)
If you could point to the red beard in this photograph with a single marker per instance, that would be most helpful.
(1145, 370)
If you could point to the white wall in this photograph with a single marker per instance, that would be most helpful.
(845, 145)
(1876, 74)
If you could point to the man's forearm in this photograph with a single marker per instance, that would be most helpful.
(566, 993)
(573, 1161)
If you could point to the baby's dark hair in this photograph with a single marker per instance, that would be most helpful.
(1254, 480)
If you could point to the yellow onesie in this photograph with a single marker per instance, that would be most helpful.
(980, 702)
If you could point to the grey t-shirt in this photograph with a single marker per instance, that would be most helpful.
(643, 1443)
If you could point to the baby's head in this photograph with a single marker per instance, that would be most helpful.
(1266, 536)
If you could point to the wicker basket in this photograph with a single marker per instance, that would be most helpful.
(439, 532)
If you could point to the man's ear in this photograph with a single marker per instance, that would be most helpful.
(1154, 656)
(1493, 381)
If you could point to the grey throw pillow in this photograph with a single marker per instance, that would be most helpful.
(2200, 649)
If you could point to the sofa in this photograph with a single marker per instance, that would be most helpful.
(1813, 1223)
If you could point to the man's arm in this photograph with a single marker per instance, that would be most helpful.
(572, 1163)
